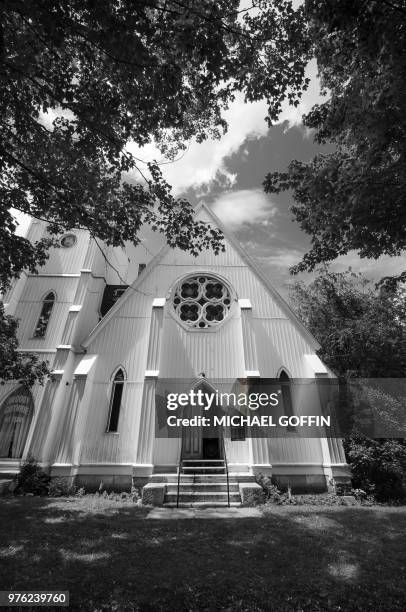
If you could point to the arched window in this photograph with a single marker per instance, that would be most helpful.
(46, 310)
(15, 420)
(115, 401)
(286, 396)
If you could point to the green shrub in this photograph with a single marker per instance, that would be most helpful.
(378, 467)
(32, 479)
(61, 487)
(272, 493)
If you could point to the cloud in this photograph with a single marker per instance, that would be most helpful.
(23, 222)
(374, 269)
(293, 115)
(246, 206)
(202, 163)
(276, 261)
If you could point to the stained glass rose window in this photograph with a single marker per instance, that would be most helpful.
(201, 301)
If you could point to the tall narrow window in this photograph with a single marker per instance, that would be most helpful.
(115, 402)
(46, 310)
(15, 420)
(286, 397)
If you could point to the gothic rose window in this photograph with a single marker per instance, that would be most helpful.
(201, 301)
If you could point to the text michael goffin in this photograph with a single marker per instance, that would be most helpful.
(216, 401)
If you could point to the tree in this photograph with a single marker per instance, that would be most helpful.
(362, 331)
(15, 365)
(120, 72)
(117, 73)
(354, 197)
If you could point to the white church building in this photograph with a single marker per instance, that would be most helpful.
(111, 338)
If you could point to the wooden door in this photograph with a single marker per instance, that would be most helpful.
(192, 442)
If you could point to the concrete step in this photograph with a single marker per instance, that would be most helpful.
(218, 504)
(189, 487)
(214, 478)
(205, 496)
(218, 469)
(201, 462)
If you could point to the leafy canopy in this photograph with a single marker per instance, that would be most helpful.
(118, 72)
(82, 80)
(362, 331)
(13, 363)
(354, 198)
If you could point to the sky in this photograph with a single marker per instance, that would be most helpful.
(228, 173)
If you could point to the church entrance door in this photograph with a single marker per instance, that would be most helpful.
(194, 444)
(199, 442)
(192, 441)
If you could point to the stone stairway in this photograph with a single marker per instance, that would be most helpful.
(203, 483)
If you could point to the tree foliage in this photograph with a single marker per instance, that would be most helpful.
(362, 331)
(84, 83)
(117, 72)
(354, 197)
(378, 467)
(14, 364)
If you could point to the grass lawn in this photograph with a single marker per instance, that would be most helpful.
(295, 558)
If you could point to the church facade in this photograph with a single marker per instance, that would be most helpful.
(113, 324)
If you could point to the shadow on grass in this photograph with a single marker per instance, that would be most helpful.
(110, 558)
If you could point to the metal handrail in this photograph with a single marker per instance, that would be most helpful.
(179, 469)
(226, 464)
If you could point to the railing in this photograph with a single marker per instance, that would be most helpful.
(226, 466)
(179, 471)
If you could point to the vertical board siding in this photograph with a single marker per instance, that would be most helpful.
(64, 443)
(155, 339)
(218, 354)
(280, 344)
(137, 338)
(29, 309)
(166, 451)
(237, 451)
(124, 342)
(147, 424)
(100, 446)
(42, 422)
(250, 349)
(68, 261)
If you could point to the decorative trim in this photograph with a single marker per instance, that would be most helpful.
(252, 374)
(158, 302)
(316, 364)
(200, 305)
(36, 350)
(75, 308)
(65, 275)
(84, 366)
(151, 373)
(244, 303)
(57, 373)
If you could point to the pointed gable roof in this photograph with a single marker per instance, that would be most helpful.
(252, 265)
